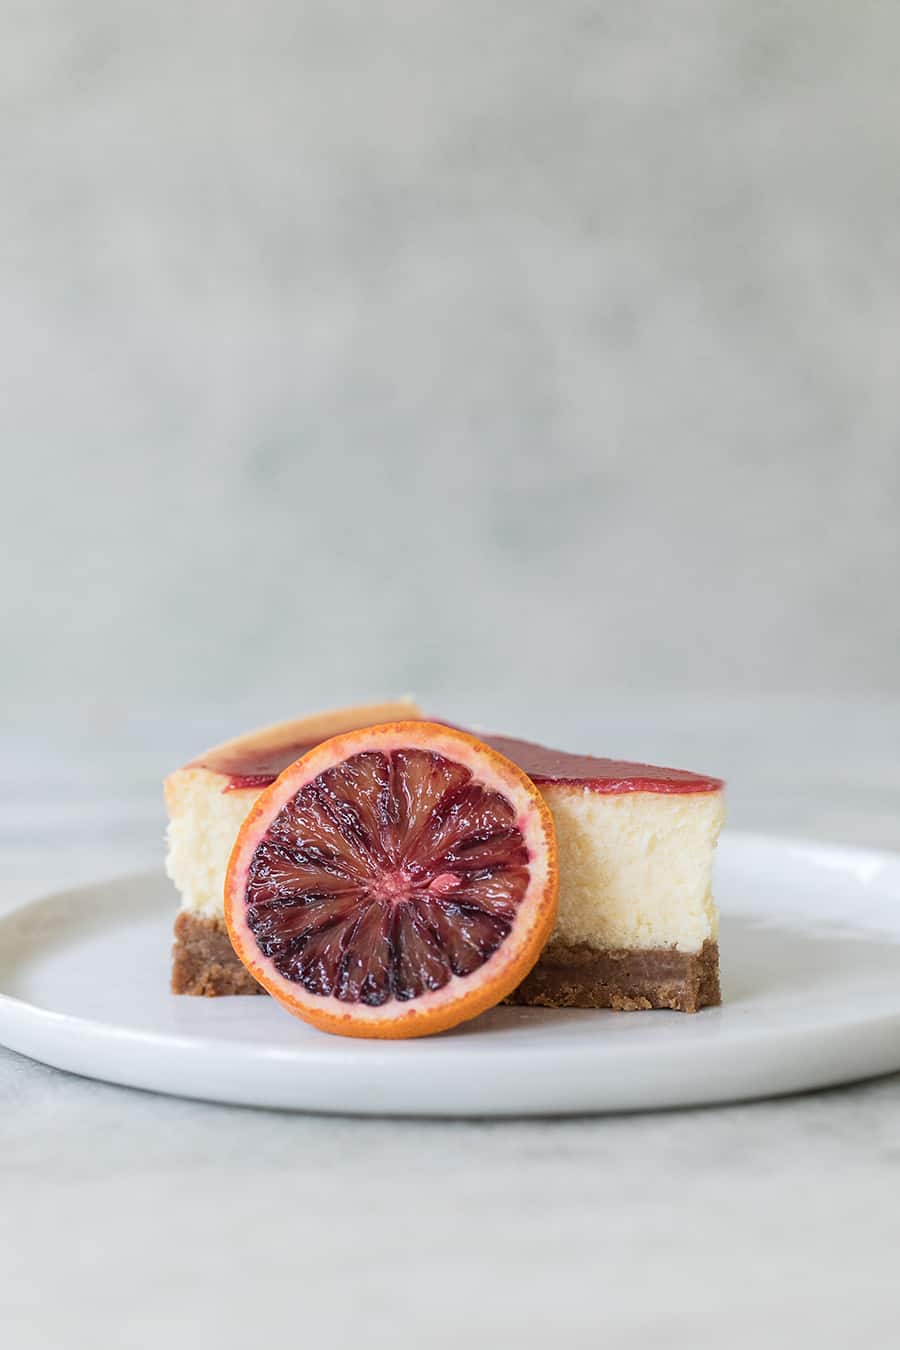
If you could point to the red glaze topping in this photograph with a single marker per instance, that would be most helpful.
(249, 769)
(598, 775)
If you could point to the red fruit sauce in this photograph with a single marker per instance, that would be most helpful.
(249, 769)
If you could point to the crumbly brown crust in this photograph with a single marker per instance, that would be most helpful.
(203, 960)
(579, 976)
(204, 963)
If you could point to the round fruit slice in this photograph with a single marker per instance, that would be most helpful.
(394, 881)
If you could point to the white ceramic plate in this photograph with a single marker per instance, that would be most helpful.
(810, 947)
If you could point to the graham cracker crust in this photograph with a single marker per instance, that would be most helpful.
(629, 979)
(203, 960)
(204, 963)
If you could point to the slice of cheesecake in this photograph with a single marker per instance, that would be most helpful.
(637, 924)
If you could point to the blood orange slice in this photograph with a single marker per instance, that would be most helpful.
(394, 881)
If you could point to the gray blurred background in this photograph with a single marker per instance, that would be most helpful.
(540, 359)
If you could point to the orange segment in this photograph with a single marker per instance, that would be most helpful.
(394, 881)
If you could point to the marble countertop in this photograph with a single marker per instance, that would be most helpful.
(128, 1219)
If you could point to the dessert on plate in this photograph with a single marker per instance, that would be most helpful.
(636, 925)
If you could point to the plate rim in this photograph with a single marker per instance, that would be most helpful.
(21, 1015)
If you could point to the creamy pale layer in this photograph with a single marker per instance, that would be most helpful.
(635, 868)
(636, 842)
